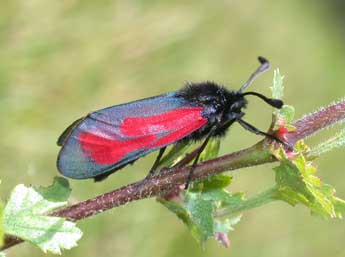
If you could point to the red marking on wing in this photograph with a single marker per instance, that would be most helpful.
(148, 132)
(178, 134)
(171, 120)
(107, 151)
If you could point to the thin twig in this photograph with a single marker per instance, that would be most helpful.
(316, 121)
(166, 180)
(158, 185)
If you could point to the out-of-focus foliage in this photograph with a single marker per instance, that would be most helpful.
(61, 59)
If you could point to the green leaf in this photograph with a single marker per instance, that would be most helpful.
(175, 154)
(238, 203)
(59, 191)
(277, 87)
(287, 113)
(216, 182)
(336, 141)
(201, 215)
(2, 254)
(194, 225)
(297, 183)
(339, 204)
(197, 211)
(234, 200)
(197, 206)
(211, 151)
(226, 225)
(222, 228)
(25, 217)
(180, 211)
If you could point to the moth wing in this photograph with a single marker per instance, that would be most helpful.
(108, 139)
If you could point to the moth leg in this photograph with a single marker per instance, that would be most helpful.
(195, 162)
(256, 131)
(203, 146)
(156, 163)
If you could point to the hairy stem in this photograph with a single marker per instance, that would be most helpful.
(316, 121)
(165, 181)
(158, 185)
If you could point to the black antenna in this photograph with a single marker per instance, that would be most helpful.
(265, 65)
(276, 103)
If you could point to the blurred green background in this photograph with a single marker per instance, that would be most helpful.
(62, 59)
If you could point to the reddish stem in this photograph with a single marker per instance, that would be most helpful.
(316, 121)
(168, 179)
(162, 183)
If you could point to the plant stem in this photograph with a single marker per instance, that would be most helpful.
(316, 121)
(158, 185)
(165, 181)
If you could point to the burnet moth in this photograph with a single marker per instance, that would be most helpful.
(107, 140)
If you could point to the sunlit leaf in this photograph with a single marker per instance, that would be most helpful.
(277, 87)
(201, 215)
(59, 191)
(297, 183)
(25, 217)
(197, 206)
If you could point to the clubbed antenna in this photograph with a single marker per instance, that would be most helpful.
(265, 65)
(276, 103)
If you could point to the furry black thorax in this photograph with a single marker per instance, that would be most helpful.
(221, 106)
